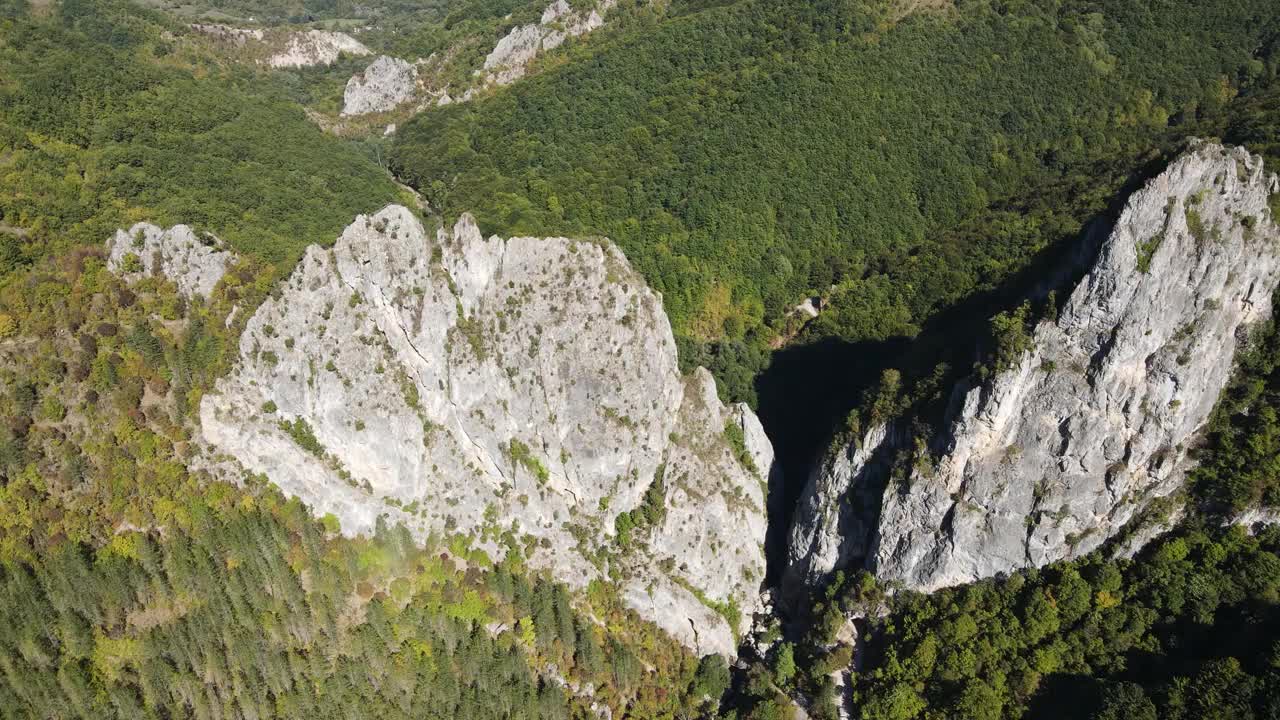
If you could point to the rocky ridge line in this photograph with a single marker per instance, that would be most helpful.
(509, 60)
(523, 392)
(284, 48)
(316, 47)
(1085, 428)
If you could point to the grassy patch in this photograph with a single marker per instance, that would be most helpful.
(1195, 224)
(1147, 250)
(727, 609)
(522, 455)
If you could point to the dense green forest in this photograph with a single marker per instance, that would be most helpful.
(919, 173)
(750, 155)
(1189, 629)
(144, 131)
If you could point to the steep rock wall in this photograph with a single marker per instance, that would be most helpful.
(520, 391)
(510, 58)
(384, 85)
(1061, 449)
(195, 267)
(315, 47)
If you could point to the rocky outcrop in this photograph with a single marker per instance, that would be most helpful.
(510, 58)
(834, 520)
(315, 47)
(435, 77)
(282, 47)
(384, 85)
(1256, 519)
(195, 265)
(522, 392)
(1060, 449)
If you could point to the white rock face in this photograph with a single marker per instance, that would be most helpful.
(194, 266)
(385, 84)
(510, 58)
(1256, 519)
(316, 47)
(1059, 451)
(834, 520)
(521, 391)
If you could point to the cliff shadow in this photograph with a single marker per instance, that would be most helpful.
(804, 397)
(807, 391)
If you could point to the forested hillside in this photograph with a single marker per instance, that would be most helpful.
(148, 131)
(919, 168)
(751, 155)
(132, 584)
(1185, 630)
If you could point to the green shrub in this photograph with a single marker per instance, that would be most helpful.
(737, 441)
(302, 434)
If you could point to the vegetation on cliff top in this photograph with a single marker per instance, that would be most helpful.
(749, 155)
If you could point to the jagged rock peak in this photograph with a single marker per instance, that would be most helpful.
(384, 85)
(316, 47)
(1063, 447)
(519, 391)
(510, 58)
(195, 266)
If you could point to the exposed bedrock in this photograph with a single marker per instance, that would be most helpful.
(523, 392)
(1057, 451)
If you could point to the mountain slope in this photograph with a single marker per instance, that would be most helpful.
(145, 133)
(519, 392)
(1089, 417)
(751, 155)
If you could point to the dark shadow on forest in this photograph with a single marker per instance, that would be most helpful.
(1237, 630)
(804, 397)
(808, 391)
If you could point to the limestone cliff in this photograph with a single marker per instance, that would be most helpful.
(315, 47)
(1060, 449)
(282, 47)
(510, 58)
(390, 84)
(384, 85)
(523, 392)
(194, 266)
